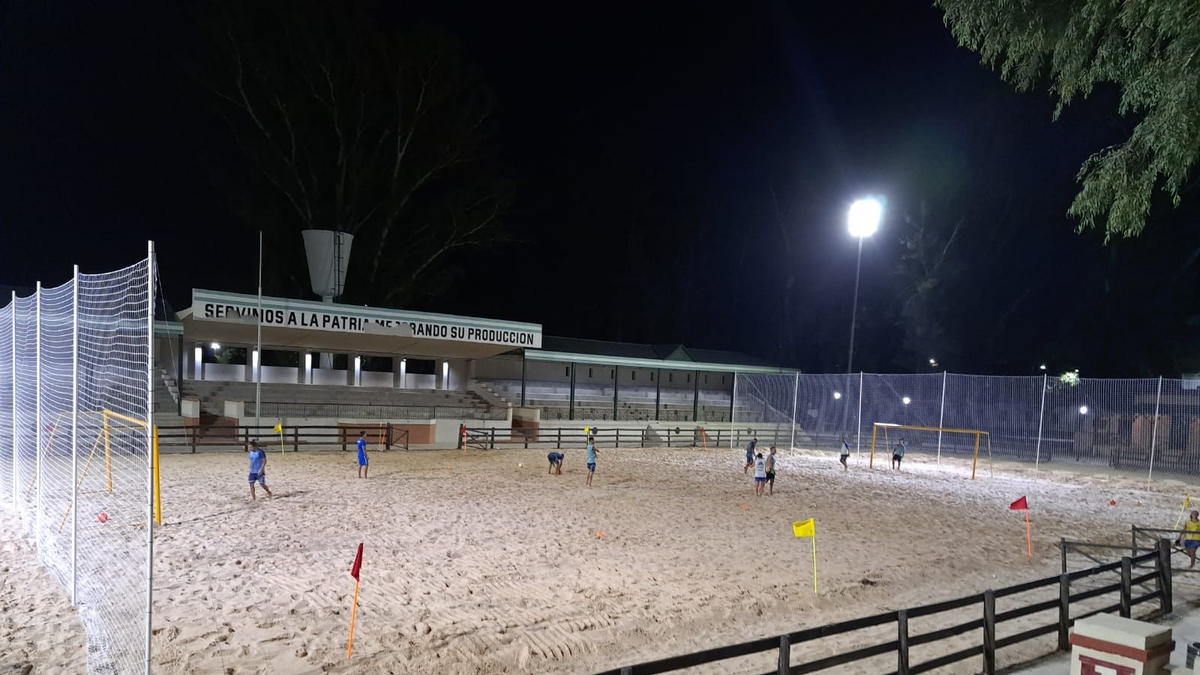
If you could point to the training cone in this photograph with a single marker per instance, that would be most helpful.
(103, 517)
(1112, 502)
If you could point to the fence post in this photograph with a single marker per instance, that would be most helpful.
(732, 417)
(785, 655)
(1037, 458)
(902, 632)
(492, 435)
(1062, 547)
(1164, 575)
(1154, 432)
(668, 438)
(74, 429)
(1126, 586)
(942, 417)
(989, 632)
(795, 403)
(1064, 611)
(295, 439)
(858, 427)
(193, 432)
(627, 670)
(1133, 541)
(558, 442)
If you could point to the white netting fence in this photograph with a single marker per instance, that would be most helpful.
(25, 401)
(1135, 424)
(75, 439)
(6, 406)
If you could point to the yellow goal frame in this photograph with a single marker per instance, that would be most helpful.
(979, 434)
(109, 420)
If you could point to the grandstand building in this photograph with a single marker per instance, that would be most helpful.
(428, 374)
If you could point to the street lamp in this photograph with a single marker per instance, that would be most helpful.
(837, 395)
(1083, 410)
(906, 400)
(863, 221)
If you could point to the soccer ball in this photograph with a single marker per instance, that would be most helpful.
(103, 517)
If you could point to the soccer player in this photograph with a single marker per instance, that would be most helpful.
(897, 454)
(591, 459)
(1190, 538)
(750, 455)
(771, 471)
(760, 474)
(556, 459)
(258, 469)
(363, 465)
(845, 452)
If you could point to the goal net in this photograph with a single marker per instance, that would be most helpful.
(929, 440)
(764, 407)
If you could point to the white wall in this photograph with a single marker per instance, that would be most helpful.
(421, 381)
(224, 372)
(329, 377)
(373, 379)
(459, 370)
(499, 369)
(278, 374)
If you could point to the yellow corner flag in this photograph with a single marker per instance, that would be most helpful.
(279, 430)
(1187, 501)
(808, 528)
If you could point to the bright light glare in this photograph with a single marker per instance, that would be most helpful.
(215, 346)
(1083, 410)
(837, 395)
(907, 400)
(864, 217)
(1043, 366)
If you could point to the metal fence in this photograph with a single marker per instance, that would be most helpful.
(1136, 424)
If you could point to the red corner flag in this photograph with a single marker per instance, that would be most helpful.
(1019, 505)
(358, 562)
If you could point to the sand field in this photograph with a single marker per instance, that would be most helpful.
(483, 563)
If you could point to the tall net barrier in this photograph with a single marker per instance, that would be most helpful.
(113, 564)
(1098, 421)
(827, 411)
(909, 400)
(6, 406)
(25, 400)
(75, 441)
(56, 429)
(1007, 408)
(764, 407)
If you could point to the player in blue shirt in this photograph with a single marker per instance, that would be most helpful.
(258, 469)
(591, 459)
(845, 452)
(898, 454)
(750, 451)
(556, 459)
(362, 455)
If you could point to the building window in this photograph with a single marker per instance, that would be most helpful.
(567, 372)
(589, 372)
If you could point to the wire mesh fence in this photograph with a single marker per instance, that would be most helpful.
(1150, 425)
(75, 449)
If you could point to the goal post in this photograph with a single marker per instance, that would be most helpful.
(886, 427)
(116, 434)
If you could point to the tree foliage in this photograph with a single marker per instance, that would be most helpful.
(346, 123)
(1149, 49)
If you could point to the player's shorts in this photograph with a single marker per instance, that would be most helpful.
(591, 466)
(770, 475)
(897, 458)
(749, 459)
(260, 478)
(362, 459)
(844, 455)
(1191, 543)
(760, 479)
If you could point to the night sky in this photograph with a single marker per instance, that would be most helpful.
(646, 143)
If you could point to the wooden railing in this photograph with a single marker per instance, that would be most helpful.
(989, 618)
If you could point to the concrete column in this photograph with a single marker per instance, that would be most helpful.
(249, 369)
(441, 370)
(354, 370)
(396, 371)
(303, 367)
(403, 373)
(198, 361)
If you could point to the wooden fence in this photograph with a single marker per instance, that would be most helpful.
(1158, 559)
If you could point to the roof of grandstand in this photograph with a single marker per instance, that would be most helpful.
(654, 356)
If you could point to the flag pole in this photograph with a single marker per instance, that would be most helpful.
(1028, 536)
(814, 551)
(1187, 500)
(353, 613)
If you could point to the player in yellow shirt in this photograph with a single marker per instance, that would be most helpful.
(1190, 538)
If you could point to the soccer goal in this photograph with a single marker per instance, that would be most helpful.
(895, 432)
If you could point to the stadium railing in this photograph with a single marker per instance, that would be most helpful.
(387, 435)
(987, 621)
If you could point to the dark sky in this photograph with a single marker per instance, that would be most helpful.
(646, 141)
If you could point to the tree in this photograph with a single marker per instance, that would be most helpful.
(347, 124)
(1147, 48)
(927, 269)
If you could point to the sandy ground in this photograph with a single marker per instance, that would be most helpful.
(485, 564)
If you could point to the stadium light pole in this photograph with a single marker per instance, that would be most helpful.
(862, 220)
